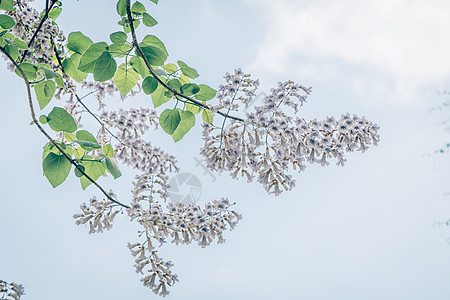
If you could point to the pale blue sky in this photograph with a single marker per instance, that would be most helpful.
(364, 231)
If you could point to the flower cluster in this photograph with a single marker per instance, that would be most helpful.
(146, 259)
(11, 291)
(27, 21)
(239, 88)
(270, 142)
(185, 224)
(99, 214)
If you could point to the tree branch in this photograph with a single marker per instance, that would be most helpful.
(150, 68)
(42, 130)
(47, 10)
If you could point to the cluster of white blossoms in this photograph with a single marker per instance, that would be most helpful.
(270, 142)
(185, 224)
(11, 291)
(159, 273)
(27, 21)
(239, 87)
(100, 214)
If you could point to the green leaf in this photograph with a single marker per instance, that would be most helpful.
(6, 22)
(30, 70)
(70, 65)
(138, 8)
(56, 168)
(13, 51)
(112, 167)
(93, 169)
(186, 123)
(195, 109)
(118, 38)
(121, 7)
(170, 68)
(88, 59)
(207, 116)
(20, 43)
(105, 67)
(148, 20)
(154, 1)
(125, 79)
(108, 150)
(159, 97)
(151, 40)
(175, 84)
(50, 148)
(78, 172)
(49, 74)
(44, 92)
(70, 137)
(60, 120)
(169, 120)
(188, 71)
(85, 135)
(54, 13)
(7, 5)
(206, 93)
(155, 56)
(149, 85)
(78, 42)
(138, 64)
(43, 119)
(189, 89)
(88, 146)
(119, 51)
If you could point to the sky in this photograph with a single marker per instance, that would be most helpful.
(368, 230)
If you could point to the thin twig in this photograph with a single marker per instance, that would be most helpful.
(42, 130)
(150, 68)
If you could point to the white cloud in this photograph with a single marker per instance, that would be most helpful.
(406, 40)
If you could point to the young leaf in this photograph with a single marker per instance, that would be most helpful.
(151, 40)
(78, 172)
(56, 168)
(6, 22)
(138, 64)
(189, 89)
(7, 5)
(155, 56)
(121, 7)
(30, 70)
(93, 169)
(149, 85)
(44, 92)
(186, 123)
(111, 167)
(206, 93)
(105, 67)
(20, 43)
(169, 120)
(88, 59)
(85, 135)
(60, 120)
(159, 97)
(49, 74)
(138, 8)
(125, 79)
(170, 68)
(118, 38)
(188, 71)
(70, 65)
(207, 116)
(88, 146)
(108, 150)
(175, 84)
(78, 42)
(148, 20)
